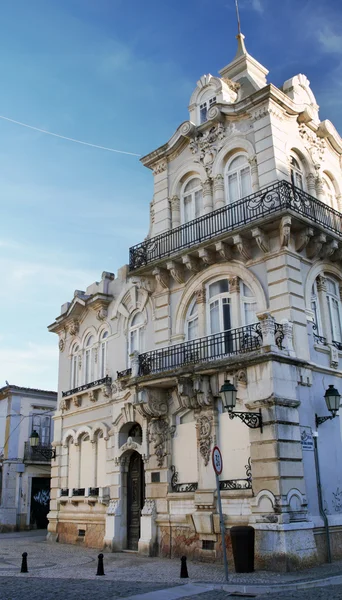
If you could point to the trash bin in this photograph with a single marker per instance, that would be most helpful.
(243, 548)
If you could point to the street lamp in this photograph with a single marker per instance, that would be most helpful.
(228, 393)
(48, 453)
(332, 399)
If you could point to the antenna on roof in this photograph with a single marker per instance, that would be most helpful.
(238, 16)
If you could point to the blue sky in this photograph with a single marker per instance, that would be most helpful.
(117, 74)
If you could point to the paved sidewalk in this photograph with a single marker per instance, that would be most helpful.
(66, 571)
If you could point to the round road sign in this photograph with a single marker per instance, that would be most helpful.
(217, 460)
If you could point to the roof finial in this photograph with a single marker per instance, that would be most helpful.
(238, 16)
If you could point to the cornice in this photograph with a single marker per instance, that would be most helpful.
(188, 130)
(97, 302)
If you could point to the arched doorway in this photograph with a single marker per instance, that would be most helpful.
(135, 499)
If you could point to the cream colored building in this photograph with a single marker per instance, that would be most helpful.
(239, 278)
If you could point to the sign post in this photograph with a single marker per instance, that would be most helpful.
(218, 465)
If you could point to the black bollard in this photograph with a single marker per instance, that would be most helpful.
(100, 570)
(24, 563)
(184, 568)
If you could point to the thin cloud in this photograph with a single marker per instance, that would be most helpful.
(330, 41)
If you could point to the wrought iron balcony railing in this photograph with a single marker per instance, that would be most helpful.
(123, 374)
(239, 484)
(40, 453)
(181, 487)
(212, 347)
(87, 386)
(78, 491)
(64, 492)
(275, 199)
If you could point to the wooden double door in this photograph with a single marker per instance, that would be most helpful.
(135, 499)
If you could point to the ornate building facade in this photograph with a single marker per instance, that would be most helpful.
(239, 278)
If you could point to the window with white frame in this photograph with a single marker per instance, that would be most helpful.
(42, 425)
(205, 107)
(192, 322)
(328, 302)
(103, 354)
(238, 178)
(89, 360)
(297, 174)
(329, 191)
(74, 367)
(225, 304)
(334, 309)
(192, 200)
(136, 333)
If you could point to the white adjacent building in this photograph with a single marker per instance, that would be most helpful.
(25, 472)
(239, 278)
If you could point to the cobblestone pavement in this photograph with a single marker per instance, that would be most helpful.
(67, 571)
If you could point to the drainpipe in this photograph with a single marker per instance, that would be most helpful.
(320, 496)
(19, 501)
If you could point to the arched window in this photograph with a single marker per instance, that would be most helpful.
(89, 360)
(229, 307)
(238, 178)
(325, 301)
(329, 191)
(249, 306)
(297, 175)
(208, 99)
(192, 322)
(192, 200)
(334, 309)
(74, 367)
(103, 354)
(219, 306)
(136, 333)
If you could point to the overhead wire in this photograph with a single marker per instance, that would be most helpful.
(69, 139)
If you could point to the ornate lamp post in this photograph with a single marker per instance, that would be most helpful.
(228, 393)
(332, 399)
(48, 453)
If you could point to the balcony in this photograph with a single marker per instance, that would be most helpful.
(212, 347)
(87, 386)
(37, 454)
(124, 374)
(259, 208)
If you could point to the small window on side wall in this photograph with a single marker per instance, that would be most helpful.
(297, 174)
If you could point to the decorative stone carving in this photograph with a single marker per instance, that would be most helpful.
(203, 426)
(152, 213)
(92, 395)
(129, 445)
(76, 401)
(267, 324)
(261, 239)
(304, 238)
(333, 357)
(160, 167)
(240, 243)
(201, 386)
(107, 391)
(206, 256)
(149, 509)
(315, 145)
(158, 434)
(74, 327)
(337, 256)
(191, 263)
(321, 283)
(329, 249)
(218, 182)
(234, 285)
(224, 250)
(285, 231)
(241, 377)
(121, 461)
(201, 295)
(62, 405)
(96, 352)
(207, 144)
(102, 314)
(162, 277)
(80, 361)
(152, 403)
(315, 246)
(176, 271)
(61, 345)
(288, 336)
(114, 508)
(186, 394)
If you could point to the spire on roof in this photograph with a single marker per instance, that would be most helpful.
(244, 68)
